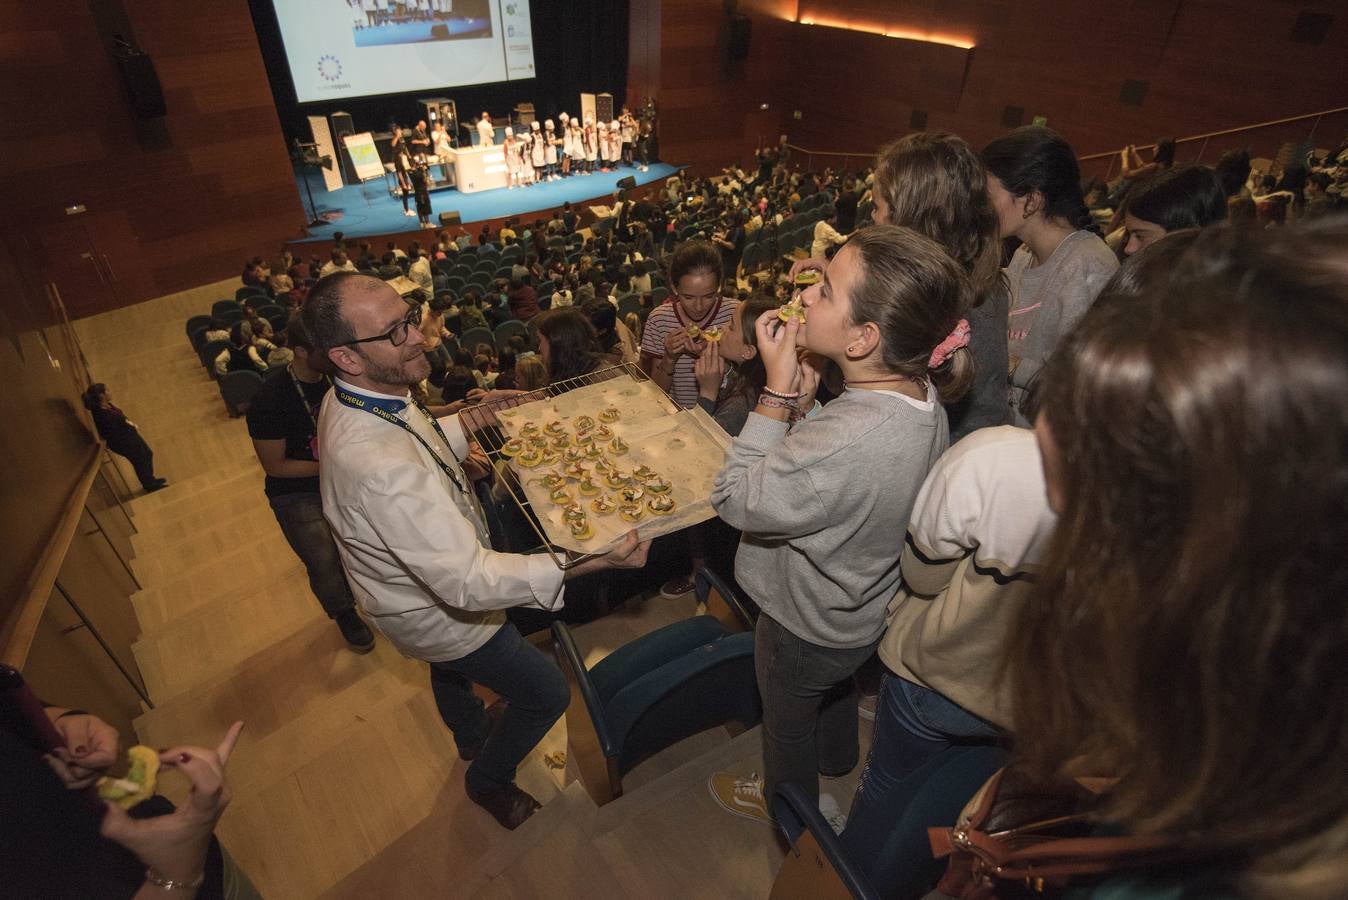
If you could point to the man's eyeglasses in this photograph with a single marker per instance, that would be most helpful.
(397, 335)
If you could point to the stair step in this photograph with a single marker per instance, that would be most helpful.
(196, 491)
(193, 649)
(159, 561)
(158, 607)
(364, 797)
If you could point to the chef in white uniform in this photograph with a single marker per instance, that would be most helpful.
(397, 489)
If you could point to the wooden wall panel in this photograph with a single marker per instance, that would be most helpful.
(1209, 65)
(198, 191)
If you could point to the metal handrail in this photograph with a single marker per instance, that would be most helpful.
(1108, 153)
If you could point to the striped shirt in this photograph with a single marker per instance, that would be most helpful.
(668, 317)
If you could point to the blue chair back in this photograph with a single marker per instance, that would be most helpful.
(210, 351)
(197, 322)
(508, 328)
(249, 291)
(474, 336)
(220, 307)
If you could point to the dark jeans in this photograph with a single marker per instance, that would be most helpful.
(440, 361)
(139, 454)
(301, 519)
(914, 726)
(809, 708)
(534, 689)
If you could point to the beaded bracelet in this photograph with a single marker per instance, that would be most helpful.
(776, 402)
(781, 396)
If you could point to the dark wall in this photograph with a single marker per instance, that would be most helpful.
(171, 203)
(579, 46)
(1207, 65)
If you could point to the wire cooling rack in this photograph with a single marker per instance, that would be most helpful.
(483, 424)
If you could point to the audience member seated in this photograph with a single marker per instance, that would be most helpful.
(240, 355)
(338, 263)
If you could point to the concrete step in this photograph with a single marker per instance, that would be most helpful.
(197, 490)
(245, 570)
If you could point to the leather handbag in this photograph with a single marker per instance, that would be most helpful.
(1017, 838)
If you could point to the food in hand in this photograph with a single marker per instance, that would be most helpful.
(603, 504)
(583, 423)
(793, 310)
(561, 496)
(529, 429)
(806, 277)
(610, 414)
(617, 478)
(555, 427)
(631, 494)
(512, 447)
(530, 458)
(137, 784)
(661, 505)
(693, 331)
(658, 485)
(588, 487)
(617, 446)
(712, 333)
(630, 511)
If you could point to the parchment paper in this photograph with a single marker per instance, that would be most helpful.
(686, 447)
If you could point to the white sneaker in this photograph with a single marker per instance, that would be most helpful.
(741, 796)
(409, 214)
(829, 809)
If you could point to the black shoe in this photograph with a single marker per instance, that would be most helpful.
(495, 713)
(509, 805)
(156, 485)
(357, 634)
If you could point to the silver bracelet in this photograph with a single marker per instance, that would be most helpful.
(169, 884)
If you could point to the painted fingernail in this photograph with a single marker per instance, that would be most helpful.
(184, 757)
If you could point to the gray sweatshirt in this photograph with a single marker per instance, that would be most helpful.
(1047, 300)
(824, 508)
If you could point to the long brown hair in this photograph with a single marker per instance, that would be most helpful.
(933, 182)
(750, 376)
(916, 295)
(1189, 633)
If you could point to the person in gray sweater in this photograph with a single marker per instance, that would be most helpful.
(823, 501)
(1062, 264)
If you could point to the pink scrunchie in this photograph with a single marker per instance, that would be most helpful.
(955, 340)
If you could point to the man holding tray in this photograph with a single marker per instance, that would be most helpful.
(396, 490)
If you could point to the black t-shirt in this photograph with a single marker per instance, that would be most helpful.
(277, 413)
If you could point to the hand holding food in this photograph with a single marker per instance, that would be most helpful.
(777, 348)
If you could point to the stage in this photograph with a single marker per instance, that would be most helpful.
(365, 210)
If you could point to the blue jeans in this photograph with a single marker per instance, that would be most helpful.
(534, 689)
(913, 726)
(809, 709)
(301, 519)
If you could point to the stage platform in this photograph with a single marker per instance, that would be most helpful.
(366, 210)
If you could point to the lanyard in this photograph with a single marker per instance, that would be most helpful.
(308, 407)
(387, 410)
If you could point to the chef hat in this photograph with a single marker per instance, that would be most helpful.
(564, 118)
(549, 126)
(534, 126)
(510, 132)
(588, 121)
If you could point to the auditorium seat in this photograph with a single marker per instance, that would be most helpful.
(247, 291)
(220, 307)
(230, 316)
(508, 328)
(196, 322)
(474, 336)
(210, 351)
(198, 339)
(664, 687)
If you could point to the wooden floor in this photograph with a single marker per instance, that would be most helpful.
(346, 783)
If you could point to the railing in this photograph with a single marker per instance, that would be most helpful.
(1275, 133)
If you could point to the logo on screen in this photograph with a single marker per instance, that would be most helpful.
(510, 9)
(329, 67)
